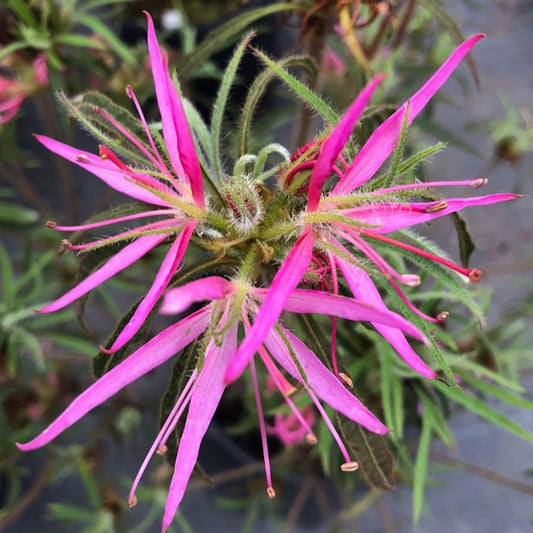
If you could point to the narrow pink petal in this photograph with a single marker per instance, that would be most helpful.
(176, 133)
(321, 380)
(324, 303)
(106, 170)
(391, 216)
(161, 280)
(146, 358)
(334, 144)
(384, 139)
(128, 255)
(209, 288)
(205, 398)
(284, 282)
(364, 289)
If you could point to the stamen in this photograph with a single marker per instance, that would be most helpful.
(442, 316)
(159, 441)
(132, 501)
(347, 380)
(474, 275)
(262, 429)
(351, 466)
(82, 158)
(311, 439)
(475, 184)
(166, 212)
(162, 449)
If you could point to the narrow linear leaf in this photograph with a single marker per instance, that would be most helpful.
(219, 37)
(256, 92)
(221, 101)
(308, 96)
(483, 410)
(420, 471)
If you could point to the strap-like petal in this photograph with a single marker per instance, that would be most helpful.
(166, 271)
(128, 255)
(364, 289)
(325, 385)
(384, 139)
(390, 216)
(335, 142)
(146, 358)
(205, 398)
(176, 132)
(284, 282)
(104, 169)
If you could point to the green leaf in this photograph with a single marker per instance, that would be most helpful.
(308, 96)
(221, 100)
(255, 93)
(371, 452)
(99, 28)
(22, 10)
(482, 409)
(218, 38)
(79, 41)
(420, 471)
(466, 243)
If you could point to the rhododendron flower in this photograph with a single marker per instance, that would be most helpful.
(349, 218)
(175, 194)
(231, 305)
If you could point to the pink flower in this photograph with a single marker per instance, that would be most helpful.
(176, 197)
(11, 97)
(231, 305)
(333, 63)
(349, 217)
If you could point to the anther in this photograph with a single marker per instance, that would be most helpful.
(439, 206)
(129, 91)
(442, 316)
(271, 493)
(311, 439)
(50, 224)
(161, 450)
(82, 158)
(347, 380)
(97, 110)
(351, 466)
(65, 243)
(411, 280)
(475, 275)
(479, 183)
(132, 502)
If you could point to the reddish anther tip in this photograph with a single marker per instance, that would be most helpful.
(132, 502)
(311, 439)
(475, 275)
(161, 450)
(271, 493)
(103, 349)
(97, 109)
(50, 224)
(82, 158)
(65, 243)
(129, 91)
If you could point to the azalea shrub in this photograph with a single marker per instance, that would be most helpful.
(292, 279)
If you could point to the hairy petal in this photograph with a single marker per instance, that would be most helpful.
(284, 282)
(104, 169)
(320, 380)
(391, 216)
(384, 139)
(128, 255)
(146, 358)
(334, 144)
(161, 280)
(205, 398)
